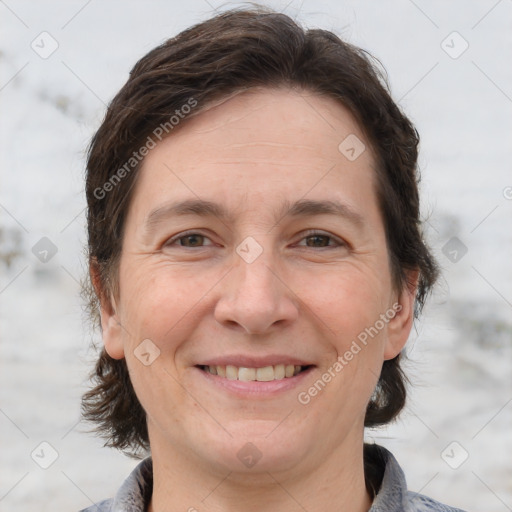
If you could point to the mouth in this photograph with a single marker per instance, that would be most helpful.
(261, 377)
(261, 374)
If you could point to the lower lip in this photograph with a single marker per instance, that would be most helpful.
(254, 388)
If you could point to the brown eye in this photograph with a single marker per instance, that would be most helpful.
(318, 241)
(321, 240)
(189, 240)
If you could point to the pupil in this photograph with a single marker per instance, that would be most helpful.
(194, 238)
(317, 237)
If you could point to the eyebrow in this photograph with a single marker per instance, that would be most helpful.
(203, 208)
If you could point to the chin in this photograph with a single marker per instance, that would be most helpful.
(257, 446)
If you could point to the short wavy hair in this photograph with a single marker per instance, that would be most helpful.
(234, 51)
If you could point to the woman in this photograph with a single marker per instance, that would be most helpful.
(256, 254)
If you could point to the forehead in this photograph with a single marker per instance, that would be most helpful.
(277, 119)
(260, 148)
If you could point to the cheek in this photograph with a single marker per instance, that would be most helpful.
(346, 299)
(161, 302)
(349, 302)
(160, 305)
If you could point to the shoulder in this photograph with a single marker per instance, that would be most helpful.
(101, 506)
(393, 495)
(133, 495)
(419, 503)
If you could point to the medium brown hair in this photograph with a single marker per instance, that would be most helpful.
(231, 52)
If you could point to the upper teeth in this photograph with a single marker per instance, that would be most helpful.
(267, 373)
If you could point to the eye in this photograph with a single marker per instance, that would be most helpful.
(318, 239)
(188, 239)
(314, 239)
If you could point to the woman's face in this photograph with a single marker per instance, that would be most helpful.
(254, 242)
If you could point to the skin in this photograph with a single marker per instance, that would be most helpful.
(304, 297)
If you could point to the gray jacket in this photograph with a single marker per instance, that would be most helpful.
(393, 496)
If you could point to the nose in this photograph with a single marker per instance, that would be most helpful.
(255, 298)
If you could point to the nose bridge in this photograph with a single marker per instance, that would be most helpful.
(254, 298)
(255, 281)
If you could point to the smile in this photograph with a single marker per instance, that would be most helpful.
(262, 374)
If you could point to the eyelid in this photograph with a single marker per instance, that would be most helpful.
(184, 234)
(313, 232)
(303, 235)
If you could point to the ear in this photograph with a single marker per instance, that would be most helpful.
(110, 325)
(399, 327)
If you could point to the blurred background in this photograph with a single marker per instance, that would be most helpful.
(449, 68)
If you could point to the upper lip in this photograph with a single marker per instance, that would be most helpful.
(243, 361)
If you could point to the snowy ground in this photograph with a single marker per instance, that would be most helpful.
(460, 357)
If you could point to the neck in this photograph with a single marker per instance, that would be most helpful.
(182, 483)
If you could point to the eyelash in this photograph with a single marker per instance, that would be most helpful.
(307, 234)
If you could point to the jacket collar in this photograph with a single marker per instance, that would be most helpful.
(135, 493)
